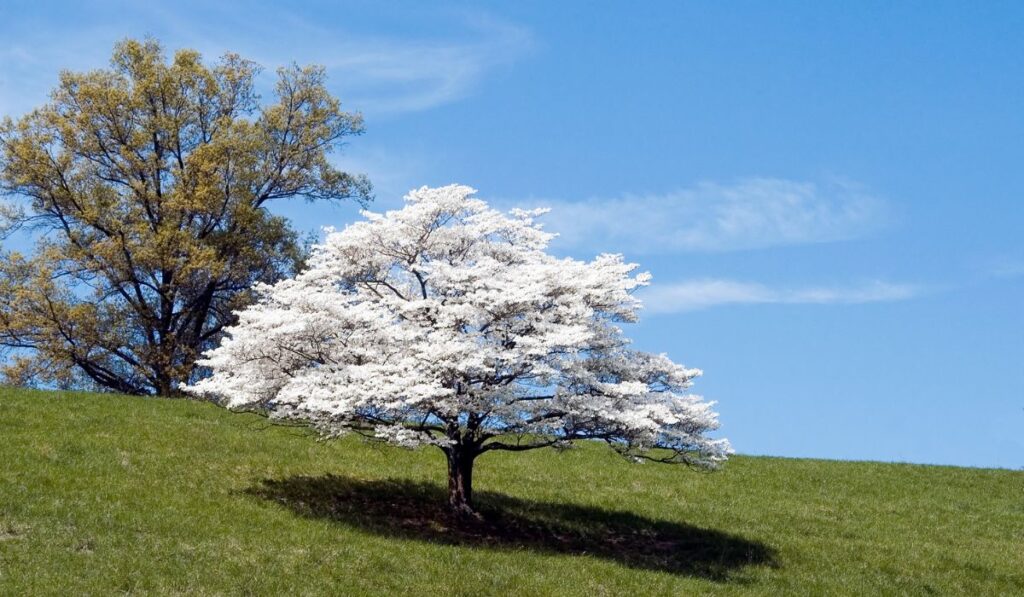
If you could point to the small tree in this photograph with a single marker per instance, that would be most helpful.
(447, 324)
(148, 183)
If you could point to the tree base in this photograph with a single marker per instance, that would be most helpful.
(464, 513)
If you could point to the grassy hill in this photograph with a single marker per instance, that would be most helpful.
(102, 494)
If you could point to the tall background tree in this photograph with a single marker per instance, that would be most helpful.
(147, 185)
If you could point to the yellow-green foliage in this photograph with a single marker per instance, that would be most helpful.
(149, 182)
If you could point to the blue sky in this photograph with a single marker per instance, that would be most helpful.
(830, 195)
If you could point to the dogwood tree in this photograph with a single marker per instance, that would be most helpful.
(446, 323)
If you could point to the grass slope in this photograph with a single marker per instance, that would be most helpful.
(102, 494)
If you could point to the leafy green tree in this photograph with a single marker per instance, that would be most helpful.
(147, 185)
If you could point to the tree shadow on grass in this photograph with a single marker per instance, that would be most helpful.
(415, 510)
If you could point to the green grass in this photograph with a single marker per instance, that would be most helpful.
(104, 494)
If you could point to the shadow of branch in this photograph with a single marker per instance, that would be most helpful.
(415, 510)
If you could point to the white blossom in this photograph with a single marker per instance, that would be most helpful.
(447, 323)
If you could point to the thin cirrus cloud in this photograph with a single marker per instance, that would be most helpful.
(378, 75)
(694, 295)
(385, 75)
(753, 213)
(392, 77)
(1005, 267)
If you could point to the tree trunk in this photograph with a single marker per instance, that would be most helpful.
(164, 385)
(460, 481)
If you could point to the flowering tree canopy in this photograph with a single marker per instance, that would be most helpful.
(446, 323)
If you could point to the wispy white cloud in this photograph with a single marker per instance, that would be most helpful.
(1005, 267)
(377, 74)
(750, 214)
(388, 76)
(702, 294)
(447, 60)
